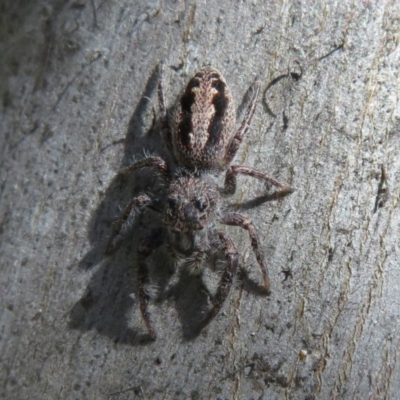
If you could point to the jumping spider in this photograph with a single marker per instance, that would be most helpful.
(203, 144)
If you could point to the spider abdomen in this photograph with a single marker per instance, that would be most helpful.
(204, 121)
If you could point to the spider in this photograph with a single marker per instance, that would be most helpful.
(203, 144)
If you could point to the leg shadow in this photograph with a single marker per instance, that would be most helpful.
(108, 299)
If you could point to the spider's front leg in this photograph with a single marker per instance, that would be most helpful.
(139, 202)
(148, 245)
(233, 147)
(225, 283)
(155, 162)
(232, 172)
(244, 127)
(236, 219)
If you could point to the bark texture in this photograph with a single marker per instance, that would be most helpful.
(78, 94)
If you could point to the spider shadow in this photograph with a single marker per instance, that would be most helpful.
(109, 298)
(192, 299)
(108, 301)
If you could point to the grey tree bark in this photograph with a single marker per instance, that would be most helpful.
(78, 94)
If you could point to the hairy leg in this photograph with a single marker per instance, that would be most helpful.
(236, 219)
(244, 127)
(225, 283)
(196, 260)
(155, 162)
(137, 203)
(232, 172)
(149, 244)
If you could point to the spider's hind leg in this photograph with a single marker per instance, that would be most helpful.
(148, 245)
(227, 278)
(236, 219)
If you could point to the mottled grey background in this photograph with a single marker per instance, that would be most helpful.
(78, 82)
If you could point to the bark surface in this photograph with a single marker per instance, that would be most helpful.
(79, 102)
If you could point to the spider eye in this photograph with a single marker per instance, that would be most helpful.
(201, 205)
(172, 203)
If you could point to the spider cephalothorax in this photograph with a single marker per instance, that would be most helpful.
(191, 204)
(203, 144)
